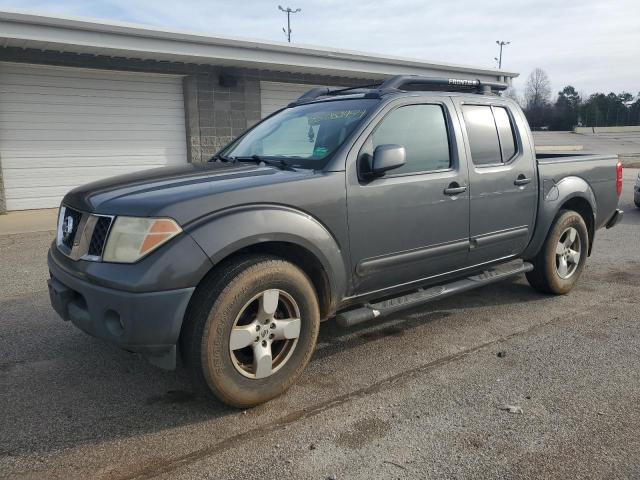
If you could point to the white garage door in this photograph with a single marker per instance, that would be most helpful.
(275, 95)
(62, 127)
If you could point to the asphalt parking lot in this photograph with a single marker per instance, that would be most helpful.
(623, 143)
(420, 395)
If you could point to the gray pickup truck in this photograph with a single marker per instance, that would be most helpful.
(348, 204)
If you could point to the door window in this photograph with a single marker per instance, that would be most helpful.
(491, 134)
(422, 131)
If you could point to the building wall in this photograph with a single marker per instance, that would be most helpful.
(214, 114)
(3, 202)
(217, 114)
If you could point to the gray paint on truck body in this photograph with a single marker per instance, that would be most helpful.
(371, 237)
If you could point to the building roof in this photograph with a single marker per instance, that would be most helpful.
(26, 30)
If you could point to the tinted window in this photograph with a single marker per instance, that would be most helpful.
(422, 131)
(505, 130)
(482, 133)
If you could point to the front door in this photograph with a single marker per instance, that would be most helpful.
(413, 222)
(502, 180)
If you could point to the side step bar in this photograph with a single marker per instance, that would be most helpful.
(387, 307)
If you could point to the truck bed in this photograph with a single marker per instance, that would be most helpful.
(599, 172)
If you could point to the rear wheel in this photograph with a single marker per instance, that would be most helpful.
(251, 330)
(560, 261)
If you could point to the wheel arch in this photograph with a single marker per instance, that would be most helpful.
(581, 206)
(283, 232)
(570, 193)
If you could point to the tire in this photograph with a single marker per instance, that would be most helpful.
(637, 203)
(550, 274)
(240, 304)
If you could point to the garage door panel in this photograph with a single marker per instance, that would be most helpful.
(85, 78)
(85, 92)
(20, 178)
(62, 127)
(29, 203)
(276, 95)
(122, 111)
(55, 135)
(98, 125)
(15, 158)
(26, 119)
(63, 100)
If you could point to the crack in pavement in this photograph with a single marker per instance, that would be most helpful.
(170, 465)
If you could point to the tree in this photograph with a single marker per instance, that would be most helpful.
(512, 93)
(634, 112)
(537, 90)
(601, 110)
(537, 93)
(566, 112)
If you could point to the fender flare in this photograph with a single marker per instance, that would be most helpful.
(225, 232)
(552, 197)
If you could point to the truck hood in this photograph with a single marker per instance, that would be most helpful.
(183, 193)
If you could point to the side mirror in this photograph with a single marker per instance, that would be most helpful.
(387, 157)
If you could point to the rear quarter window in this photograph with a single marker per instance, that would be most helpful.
(482, 133)
(505, 132)
(491, 134)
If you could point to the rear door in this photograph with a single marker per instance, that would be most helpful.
(502, 179)
(404, 226)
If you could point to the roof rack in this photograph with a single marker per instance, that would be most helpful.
(408, 83)
(420, 83)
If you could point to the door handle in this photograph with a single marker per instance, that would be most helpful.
(455, 188)
(521, 180)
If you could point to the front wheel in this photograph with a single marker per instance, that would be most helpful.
(560, 261)
(251, 330)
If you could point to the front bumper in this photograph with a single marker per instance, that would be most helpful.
(143, 322)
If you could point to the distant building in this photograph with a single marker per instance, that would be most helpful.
(81, 100)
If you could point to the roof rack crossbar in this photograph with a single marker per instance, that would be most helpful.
(326, 92)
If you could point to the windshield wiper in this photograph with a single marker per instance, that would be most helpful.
(222, 158)
(279, 163)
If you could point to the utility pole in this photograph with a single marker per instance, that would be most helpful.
(499, 59)
(288, 11)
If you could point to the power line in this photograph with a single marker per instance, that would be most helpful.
(499, 59)
(288, 11)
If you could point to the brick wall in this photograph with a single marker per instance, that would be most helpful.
(217, 114)
(214, 114)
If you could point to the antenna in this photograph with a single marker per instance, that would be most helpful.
(288, 11)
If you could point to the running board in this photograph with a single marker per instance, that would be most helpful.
(372, 311)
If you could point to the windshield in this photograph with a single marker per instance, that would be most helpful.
(303, 136)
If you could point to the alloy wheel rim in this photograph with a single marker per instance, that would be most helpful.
(265, 334)
(568, 250)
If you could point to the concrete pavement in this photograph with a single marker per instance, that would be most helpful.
(419, 395)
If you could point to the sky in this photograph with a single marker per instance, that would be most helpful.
(593, 45)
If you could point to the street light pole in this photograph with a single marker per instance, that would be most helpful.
(288, 11)
(502, 44)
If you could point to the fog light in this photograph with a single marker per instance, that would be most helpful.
(114, 323)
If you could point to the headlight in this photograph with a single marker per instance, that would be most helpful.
(132, 238)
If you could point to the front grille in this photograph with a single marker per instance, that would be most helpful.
(82, 235)
(99, 237)
(70, 223)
